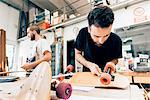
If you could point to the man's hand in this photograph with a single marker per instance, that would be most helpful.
(94, 68)
(26, 66)
(111, 65)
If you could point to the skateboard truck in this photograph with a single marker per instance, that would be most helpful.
(107, 76)
(61, 76)
(67, 75)
(110, 73)
(69, 69)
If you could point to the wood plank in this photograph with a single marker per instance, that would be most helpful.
(35, 87)
(2, 50)
(138, 77)
(87, 79)
(132, 73)
(145, 80)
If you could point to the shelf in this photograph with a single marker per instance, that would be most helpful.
(84, 17)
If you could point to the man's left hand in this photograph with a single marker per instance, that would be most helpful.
(111, 65)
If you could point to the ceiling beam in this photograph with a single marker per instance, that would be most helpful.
(10, 3)
(44, 4)
(73, 10)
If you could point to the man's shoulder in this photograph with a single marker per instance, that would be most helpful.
(84, 28)
(114, 36)
(83, 31)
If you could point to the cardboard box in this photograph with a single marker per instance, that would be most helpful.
(55, 14)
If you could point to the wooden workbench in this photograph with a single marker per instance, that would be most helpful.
(131, 93)
(137, 77)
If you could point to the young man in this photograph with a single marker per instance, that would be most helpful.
(41, 50)
(97, 43)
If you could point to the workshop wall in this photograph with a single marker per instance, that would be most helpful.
(9, 22)
(135, 14)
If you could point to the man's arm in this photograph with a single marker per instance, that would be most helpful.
(117, 53)
(92, 66)
(47, 57)
(80, 58)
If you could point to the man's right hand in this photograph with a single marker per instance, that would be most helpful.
(27, 66)
(94, 68)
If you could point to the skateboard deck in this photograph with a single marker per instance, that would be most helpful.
(88, 79)
(35, 87)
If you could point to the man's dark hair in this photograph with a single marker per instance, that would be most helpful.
(36, 28)
(101, 16)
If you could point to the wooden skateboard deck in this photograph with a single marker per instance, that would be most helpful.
(87, 79)
(35, 87)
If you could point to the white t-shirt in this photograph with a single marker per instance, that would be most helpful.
(41, 46)
(37, 52)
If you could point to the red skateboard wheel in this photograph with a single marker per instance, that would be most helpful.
(64, 90)
(61, 78)
(111, 66)
(105, 78)
(70, 68)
